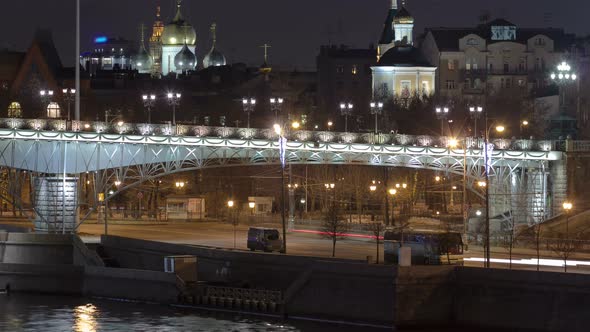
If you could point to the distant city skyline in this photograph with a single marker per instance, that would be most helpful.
(294, 29)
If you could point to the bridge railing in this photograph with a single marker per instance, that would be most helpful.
(124, 128)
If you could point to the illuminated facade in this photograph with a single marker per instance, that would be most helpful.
(175, 36)
(155, 43)
(108, 54)
(401, 71)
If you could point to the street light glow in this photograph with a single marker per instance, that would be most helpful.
(500, 129)
(567, 206)
(295, 125)
(277, 128)
(251, 205)
(230, 203)
(392, 191)
(453, 143)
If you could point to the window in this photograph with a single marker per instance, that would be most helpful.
(340, 69)
(405, 89)
(521, 83)
(425, 88)
(468, 66)
(451, 65)
(451, 84)
(467, 83)
(15, 110)
(506, 68)
(107, 61)
(53, 110)
(472, 42)
(490, 67)
(502, 84)
(522, 65)
(540, 41)
(537, 63)
(354, 70)
(508, 83)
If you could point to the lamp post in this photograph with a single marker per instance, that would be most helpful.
(475, 113)
(69, 96)
(174, 100)
(567, 207)
(149, 102)
(487, 165)
(248, 107)
(523, 126)
(346, 110)
(230, 205)
(330, 124)
(282, 150)
(46, 96)
(275, 106)
(442, 113)
(376, 109)
(564, 76)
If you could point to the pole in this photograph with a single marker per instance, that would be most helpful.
(235, 224)
(106, 214)
(77, 61)
(487, 193)
(386, 175)
(248, 115)
(442, 127)
(283, 207)
(475, 127)
(149, 115)
(465, 214)
(63, 192)
(376, 123)
(345, 123)
(174, 113)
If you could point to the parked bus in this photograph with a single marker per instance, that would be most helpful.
(428, 247)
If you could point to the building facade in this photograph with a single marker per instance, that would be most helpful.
(494, 57)
(402, 71)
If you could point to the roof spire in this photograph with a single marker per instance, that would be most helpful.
(403, 3)
(158, 12)
(142, 29)
(393, 4)
(266, 47)
(214, 33)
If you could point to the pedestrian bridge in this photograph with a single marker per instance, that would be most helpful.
(56, 151)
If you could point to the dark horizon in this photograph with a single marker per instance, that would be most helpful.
(295, 37)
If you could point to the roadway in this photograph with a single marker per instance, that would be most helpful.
(221, 235)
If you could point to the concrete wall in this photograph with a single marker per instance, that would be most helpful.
(544, 301)
(130, 284)
(30, 248)
(424, 295)
(52, 279)
(83, 256)
(330, 288)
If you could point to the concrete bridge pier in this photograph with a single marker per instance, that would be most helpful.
(56, 203)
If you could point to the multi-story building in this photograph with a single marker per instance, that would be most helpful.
(344, 75)
(493, 57)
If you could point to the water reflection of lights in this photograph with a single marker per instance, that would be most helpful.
(85, 316)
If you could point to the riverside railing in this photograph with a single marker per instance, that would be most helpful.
(123, 128)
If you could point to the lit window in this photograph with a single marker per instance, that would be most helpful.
(451, 64)
(15, 110)
(53, 110)
(354, 69)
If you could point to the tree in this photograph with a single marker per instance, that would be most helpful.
(334, 226)
(376, 230)
(508, 237)
(564, 247)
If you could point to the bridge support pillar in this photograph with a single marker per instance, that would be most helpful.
(56, 202)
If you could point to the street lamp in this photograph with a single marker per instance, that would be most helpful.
(376, 109)
(295, 125)
(442, 113)
(230, 205)
(329, 185)
(46, 96)
(567, 207)
(148, 103)
(275, 106)
(330, 124)
(69, 96)
(475, 112)
(346, 110)
(282, 150)
(179, 184)
(248, 106)
(487, 166)
(174, 100)
(564, 76)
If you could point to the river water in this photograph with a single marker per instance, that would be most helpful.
(47, 313)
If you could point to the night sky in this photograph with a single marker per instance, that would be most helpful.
(295, 29)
